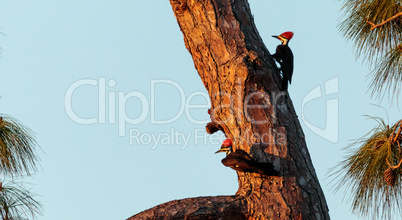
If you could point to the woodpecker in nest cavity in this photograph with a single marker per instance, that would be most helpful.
(243, 162)
(284, 57)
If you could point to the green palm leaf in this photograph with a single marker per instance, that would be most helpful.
(17, 147)
(16, 202)
(387, 75)
(376, 46)
(362, 172)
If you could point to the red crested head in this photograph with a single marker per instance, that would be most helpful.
(227, 143)
(288, 35)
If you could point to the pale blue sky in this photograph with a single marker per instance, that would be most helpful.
(89, 171)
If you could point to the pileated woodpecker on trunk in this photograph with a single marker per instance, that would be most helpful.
(284, 57)
(243, 162)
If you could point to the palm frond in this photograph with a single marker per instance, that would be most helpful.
(16, 202)
(375, 46)
(17, 147)
(362, 173)
(356, 26)
(388, 74)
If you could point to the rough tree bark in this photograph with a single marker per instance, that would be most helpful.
(243, 84)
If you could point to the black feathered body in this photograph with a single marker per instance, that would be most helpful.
(284, 57)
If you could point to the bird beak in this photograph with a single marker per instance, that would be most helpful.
(220, 150)
(275, 36)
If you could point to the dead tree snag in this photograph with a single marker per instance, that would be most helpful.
(244, 87)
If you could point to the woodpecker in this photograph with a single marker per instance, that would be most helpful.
(243, 162)
(226, 147)
(284, 57)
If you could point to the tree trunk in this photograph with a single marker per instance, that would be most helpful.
(244, 87)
